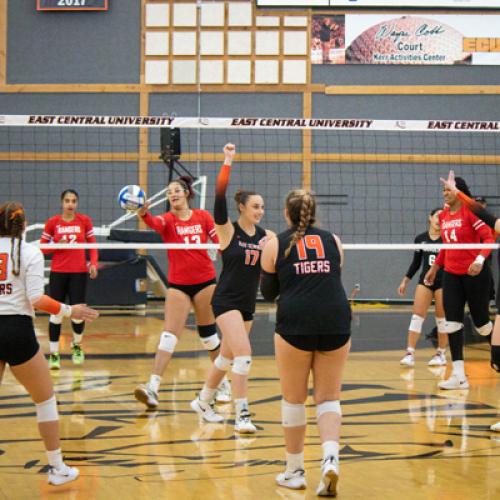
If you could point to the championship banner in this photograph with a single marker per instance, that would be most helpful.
(405, 39)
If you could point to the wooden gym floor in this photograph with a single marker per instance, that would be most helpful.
(401, 437)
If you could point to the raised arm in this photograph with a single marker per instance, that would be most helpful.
(223, 225)
(475, 207)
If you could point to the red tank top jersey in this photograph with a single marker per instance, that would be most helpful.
(79, 230)
(186, 267)
(461, 227)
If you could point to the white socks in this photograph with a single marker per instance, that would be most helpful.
(294, 461)
(154, 382)
(330, 448)
(458, 369)
(55, 458)
(239, 405)
(207, 394)
(77, 338)
(53, 347)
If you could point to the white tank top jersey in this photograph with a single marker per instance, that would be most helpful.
(17, 292)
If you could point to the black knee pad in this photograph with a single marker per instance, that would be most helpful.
(205, 331)
(495, 357)
(78, 327)
(208, 336)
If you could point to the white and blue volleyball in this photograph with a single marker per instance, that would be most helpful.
(131, 197)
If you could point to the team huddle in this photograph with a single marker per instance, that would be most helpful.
(301, 267)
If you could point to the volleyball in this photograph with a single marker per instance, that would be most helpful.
(131, 197)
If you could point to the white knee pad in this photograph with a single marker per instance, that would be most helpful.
(56, 319)
(453, 326)
(416, 323)
(485, 330)
(77, 321)
(292, 414)
(167, 343)
(241, 365)
(328, 407)
(441, 325)
(211, 343)
(222, 363)
(46, 411)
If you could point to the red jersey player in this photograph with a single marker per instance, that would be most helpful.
(191, 282)
(465, 278)
(69, 271)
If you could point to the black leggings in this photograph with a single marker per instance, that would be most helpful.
(67, 285)
(459, 289)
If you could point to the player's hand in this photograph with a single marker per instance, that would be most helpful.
(450, 182)
(430, 277)
(84, 312)
(229, 152)
(402, 287)
(93, 272)
(142, 211)
(474, 269)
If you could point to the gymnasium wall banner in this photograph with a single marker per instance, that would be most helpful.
(405, 39)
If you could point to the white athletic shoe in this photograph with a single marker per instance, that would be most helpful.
(408, 360)
(243, 423)
(454, 383)
(495, 427)
(147, 396)
(223, 394)
(294, 480)
(63, 475)
(329, 477)
(439, 359)
(206, 411)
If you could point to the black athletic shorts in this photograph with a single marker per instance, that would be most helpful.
(18, 342)
(316, 342)
(192, 290)
(218, 310)
(437, 285)
(459, 289)
(68, 285)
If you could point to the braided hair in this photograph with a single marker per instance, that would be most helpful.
(301, 207)
(12, 221)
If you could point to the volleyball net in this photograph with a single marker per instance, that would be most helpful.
(375, 180)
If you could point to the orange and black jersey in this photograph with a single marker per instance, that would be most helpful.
(312, 299)
(239, 279)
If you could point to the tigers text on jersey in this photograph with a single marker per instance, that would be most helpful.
(312, 299)
(186, 267)
(461, 227)
(240, 274)
(16, 292)
(79, 230)
(424, 258)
